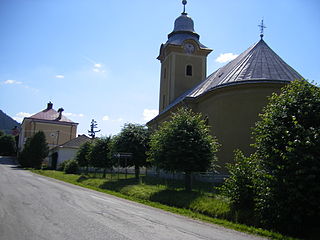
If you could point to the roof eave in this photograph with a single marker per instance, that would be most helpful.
(50, 121)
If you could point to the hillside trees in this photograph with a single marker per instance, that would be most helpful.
(7, 145)
(183, 144)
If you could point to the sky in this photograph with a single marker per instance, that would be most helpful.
(97, 58)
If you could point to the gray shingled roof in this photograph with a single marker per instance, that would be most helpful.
(76, 142)
(259, 63)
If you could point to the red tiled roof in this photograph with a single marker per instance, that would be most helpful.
(50, 115)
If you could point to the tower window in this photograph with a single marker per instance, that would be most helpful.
(189, 70)
(165, 73)
(163, 100)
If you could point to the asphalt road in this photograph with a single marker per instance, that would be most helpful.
(34, 207)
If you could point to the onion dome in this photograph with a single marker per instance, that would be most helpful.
(183, 23)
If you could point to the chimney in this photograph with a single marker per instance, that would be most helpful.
(49, 106)
(60, 110)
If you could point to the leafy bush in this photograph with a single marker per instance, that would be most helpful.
(239, 187)
(7, 145)
(71, 166)
(287, 142)
(61, 166)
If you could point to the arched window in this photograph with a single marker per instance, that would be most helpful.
(189, 70)
(163, 100)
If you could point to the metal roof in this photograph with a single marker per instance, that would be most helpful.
(258, 64)
(183, 30)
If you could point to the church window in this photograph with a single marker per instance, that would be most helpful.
(189, 70)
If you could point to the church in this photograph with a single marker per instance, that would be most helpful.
(231, 98)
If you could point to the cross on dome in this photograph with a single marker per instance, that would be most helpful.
(184, 2)
(261, 26)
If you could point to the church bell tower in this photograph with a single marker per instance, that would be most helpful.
(183, 60)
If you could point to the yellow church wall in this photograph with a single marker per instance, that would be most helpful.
(184, 82)
(232, 112)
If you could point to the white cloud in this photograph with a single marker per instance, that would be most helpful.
(98, 68)
(15, 82)
(226, 57)
(67, 114)
(105, 118)
(9, 81)
(18, 119)
(21, 115)
(60, 76)
(148, 114)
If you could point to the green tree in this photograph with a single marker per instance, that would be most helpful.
(287, 143)
(35, 151)
(23, 157)
(82, 156)
(7, 145)
(134, 139)
(100, 154)
(38, 149)
(184, 144)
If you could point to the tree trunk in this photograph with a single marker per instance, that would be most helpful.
(137, 171)
(188, 181)
(104, 173)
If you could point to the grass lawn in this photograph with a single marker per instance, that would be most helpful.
(201, 203)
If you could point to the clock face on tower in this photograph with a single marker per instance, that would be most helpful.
(188, 48)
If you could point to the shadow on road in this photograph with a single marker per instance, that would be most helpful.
(10, 161)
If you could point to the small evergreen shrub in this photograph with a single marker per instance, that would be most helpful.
(71, 166)
(61, 166)
(239, 187)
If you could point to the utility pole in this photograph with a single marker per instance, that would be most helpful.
(92, 132)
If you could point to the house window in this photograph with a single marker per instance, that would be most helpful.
(189, 70)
